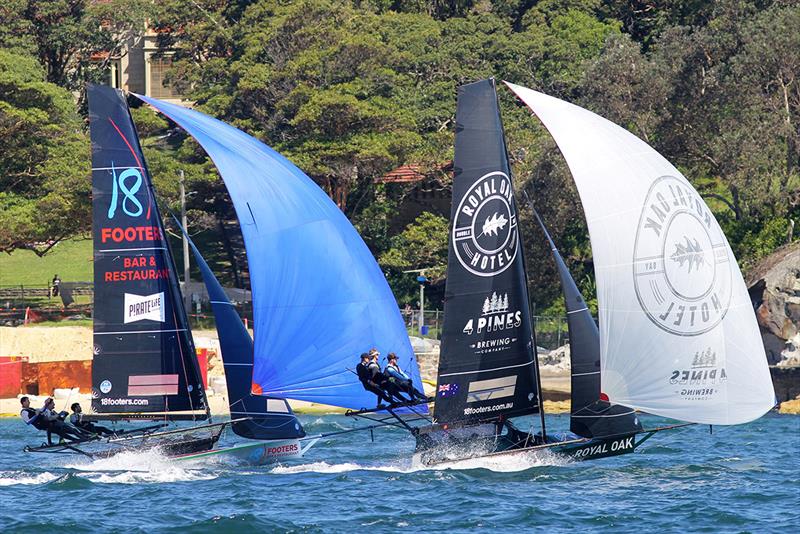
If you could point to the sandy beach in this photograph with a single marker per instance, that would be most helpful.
(42, 345)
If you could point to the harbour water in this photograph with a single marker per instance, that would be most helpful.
(737, 479)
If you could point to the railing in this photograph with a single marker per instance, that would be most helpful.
(551, 332)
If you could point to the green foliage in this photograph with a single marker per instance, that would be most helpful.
(44, 164)
(73, 39)
(350, 90)
(421, 245)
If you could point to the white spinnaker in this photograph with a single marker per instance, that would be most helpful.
(678, 334)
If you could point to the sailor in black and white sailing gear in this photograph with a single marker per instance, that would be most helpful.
(57, 425)
(395, 376)
(32, 417)
(365, 375)
(390, 390)
(76, 419)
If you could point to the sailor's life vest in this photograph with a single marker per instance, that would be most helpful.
(376, 375)
(363, 373)
(39, 422)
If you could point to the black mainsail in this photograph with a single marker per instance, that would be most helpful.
(144, 356)
(591, 415)
(486, 366)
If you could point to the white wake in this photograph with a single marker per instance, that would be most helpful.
(133, 467)
(510, 463)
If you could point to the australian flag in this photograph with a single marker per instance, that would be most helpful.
(448, 390)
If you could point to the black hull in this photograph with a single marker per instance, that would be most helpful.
(170, 443)
(573, 449)
(167, 448)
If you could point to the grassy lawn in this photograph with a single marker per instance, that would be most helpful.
(75, 322)
(71, 260)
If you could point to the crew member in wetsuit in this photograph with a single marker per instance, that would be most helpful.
(32, 417)
(76, 419)
(56, 424)
(400, 380)
(376, 375)
(365, 376)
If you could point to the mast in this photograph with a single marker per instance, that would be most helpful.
(533, 340)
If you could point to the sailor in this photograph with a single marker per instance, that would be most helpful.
(365, 376)
(76, 419)
(390, 390)
(57, 425)
(32, 417)
(400, 380)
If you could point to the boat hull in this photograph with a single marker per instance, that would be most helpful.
(256, 453)
(573, 449)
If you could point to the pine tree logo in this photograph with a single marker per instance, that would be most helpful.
(484, 236)
(704, 358)
(495, 304)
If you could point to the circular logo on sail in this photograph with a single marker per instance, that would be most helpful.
(681, 264)
(485, 226)
(105, 386)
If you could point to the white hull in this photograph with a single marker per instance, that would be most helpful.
(257, 452)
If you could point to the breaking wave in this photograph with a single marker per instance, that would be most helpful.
(15, 478)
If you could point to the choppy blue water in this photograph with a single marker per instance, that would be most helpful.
(744, 478)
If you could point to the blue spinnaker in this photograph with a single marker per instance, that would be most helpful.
(319, 297)
(264, 417)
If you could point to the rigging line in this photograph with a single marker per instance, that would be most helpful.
(532, 325)
(599, 416)
(382, 421)
(423, 416)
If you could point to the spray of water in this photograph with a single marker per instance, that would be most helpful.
(133, 467)
(509, 463)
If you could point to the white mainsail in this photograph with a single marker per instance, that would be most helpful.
(678, 334)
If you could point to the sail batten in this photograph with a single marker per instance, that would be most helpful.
(319, 297)
(678, 335)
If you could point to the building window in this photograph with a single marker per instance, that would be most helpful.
(159, 67)
(116, 74)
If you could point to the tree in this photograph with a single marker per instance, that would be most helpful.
(73, 39)
(44, 164)
(421, 245)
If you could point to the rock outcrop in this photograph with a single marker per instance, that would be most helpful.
(775, 291)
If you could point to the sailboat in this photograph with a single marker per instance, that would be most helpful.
(144, 364)
(677, 337)
(319, 297)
